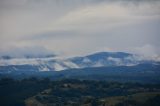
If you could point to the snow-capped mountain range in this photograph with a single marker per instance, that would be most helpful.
(52, 63)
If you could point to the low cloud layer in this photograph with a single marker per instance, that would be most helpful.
(77, 27)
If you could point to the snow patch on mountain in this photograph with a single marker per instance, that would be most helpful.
(44, 68)
(86, 60)
(70, 64)
(58, 67)
(117, 61)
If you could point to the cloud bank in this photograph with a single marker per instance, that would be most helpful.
(77, 27)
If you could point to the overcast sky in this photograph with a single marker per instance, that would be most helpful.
(78, 27)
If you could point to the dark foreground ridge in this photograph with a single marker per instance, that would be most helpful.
(69, 92)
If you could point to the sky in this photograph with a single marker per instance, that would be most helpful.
(79, 27)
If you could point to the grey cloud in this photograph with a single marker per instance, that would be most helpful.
(27, 51)
(79, 26)
(51, 35)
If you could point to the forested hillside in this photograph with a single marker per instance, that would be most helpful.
(70, 92)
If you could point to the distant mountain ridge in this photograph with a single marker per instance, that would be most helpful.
(51, 63)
